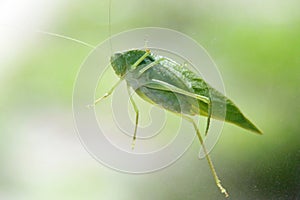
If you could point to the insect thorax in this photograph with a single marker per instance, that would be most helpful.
(122, 62)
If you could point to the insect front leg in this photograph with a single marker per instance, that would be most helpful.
(106, 94)
(140, 60)
(211, 166)
(136, 110)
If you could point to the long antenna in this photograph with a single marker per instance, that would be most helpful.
(65, 37)
(109, 25)
(57, 35)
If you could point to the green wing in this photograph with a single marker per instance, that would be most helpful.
(182, 78)
(233, 113)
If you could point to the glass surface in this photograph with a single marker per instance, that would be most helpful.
(255, 45)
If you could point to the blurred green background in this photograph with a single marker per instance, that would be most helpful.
(256, 46)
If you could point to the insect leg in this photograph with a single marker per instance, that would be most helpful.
(211, 166)
(140, 60)
(209, 110)
(150, 65)
(136, 110)
(153, 64)
(158, 84)
(107, 93)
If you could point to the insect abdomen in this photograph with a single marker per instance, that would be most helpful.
(169, 100)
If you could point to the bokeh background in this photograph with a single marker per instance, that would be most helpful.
(256, 45)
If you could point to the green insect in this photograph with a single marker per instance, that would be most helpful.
(163, 82)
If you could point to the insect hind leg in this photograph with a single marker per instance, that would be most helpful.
(211, 166)
(209, 109)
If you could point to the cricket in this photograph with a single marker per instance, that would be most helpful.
(169, 85)
(163, 82)
(172, 86)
